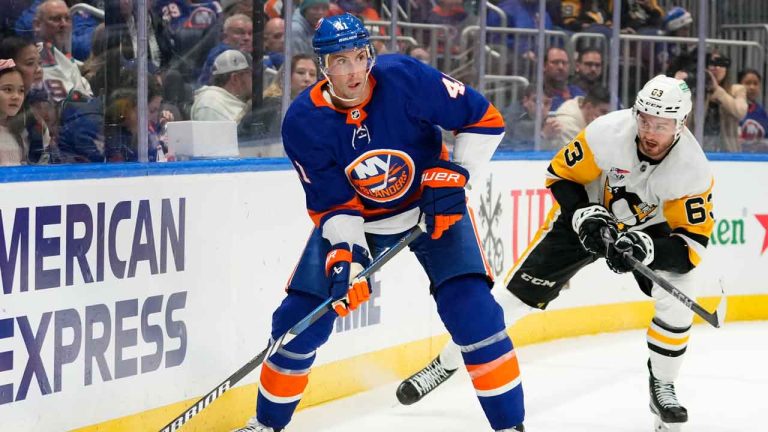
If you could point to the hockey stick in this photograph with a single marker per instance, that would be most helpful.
(716, 319)
(305, 322)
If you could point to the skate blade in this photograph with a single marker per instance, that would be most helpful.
(660, 426)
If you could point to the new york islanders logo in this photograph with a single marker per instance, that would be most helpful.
(381, 175)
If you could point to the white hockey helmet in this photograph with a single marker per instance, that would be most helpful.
(665, 97)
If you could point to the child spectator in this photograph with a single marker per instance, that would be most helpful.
(753, 127)
(13, 148)
(37, 111)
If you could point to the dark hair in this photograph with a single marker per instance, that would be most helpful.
(588, 50)
(10, 47)
(744, 72)
(598, 95)
(16, 123)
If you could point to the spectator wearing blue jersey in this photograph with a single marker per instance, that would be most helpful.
(304, 23)
(237, 34)
(367, 148)
(753, 128)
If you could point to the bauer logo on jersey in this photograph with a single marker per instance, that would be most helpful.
(381, 175)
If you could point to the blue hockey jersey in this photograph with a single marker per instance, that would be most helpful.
(367, 160)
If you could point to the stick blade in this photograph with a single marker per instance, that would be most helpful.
(722, 307)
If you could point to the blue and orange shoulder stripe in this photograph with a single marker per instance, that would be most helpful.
(492, 123)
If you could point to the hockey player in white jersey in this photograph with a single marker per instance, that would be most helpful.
(640, 177)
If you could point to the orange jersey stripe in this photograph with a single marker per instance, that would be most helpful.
(354, 204)
(491, 119)
(282, 385)
(496, 373)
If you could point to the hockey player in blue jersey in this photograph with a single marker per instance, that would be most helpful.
(367, 149)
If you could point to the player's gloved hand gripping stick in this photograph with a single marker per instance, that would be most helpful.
(716, 319)
(305, 322)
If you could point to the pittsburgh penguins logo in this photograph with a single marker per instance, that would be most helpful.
(628, 207)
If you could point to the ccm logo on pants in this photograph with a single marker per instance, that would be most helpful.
(536, 281)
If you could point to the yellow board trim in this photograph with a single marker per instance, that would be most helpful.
(364, 372)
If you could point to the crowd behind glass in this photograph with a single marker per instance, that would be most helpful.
(69, 70)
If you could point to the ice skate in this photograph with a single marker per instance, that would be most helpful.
(254, 426)
(422, 382)
(670, 415)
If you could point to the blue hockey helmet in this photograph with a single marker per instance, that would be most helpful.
(339, 33)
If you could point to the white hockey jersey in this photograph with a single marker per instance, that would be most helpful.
(640, 192)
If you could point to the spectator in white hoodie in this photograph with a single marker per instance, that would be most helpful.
(230, 91)
(575, 114)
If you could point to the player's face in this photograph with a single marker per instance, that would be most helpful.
(11, 94)
(656, 135)
(348, 72)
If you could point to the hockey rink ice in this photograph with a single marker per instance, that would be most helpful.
(585, 384)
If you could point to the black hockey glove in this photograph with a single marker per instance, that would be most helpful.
(591, 224)
(634, 243)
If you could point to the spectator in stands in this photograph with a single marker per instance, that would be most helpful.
(519, 121)
(726, 104)
(274, 43)
(641, 16)
(304, 23)
(13, 147)
(556, 71)
(37, 111)
(520, 14)
(51, 19)
(753, 127)
(575, 114)
(588, 69)
(159, 49)
(590, 16)
(237, 34)
(227, 97)
(273, 8)
(361, 9)
(304, 74)
(121, 116)
(450, 13)
(677, 23)
(419, 53)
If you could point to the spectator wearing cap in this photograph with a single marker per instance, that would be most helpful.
(677, 23)
(304, 23)
(237, 34)
(232, 85)
(588, 69)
